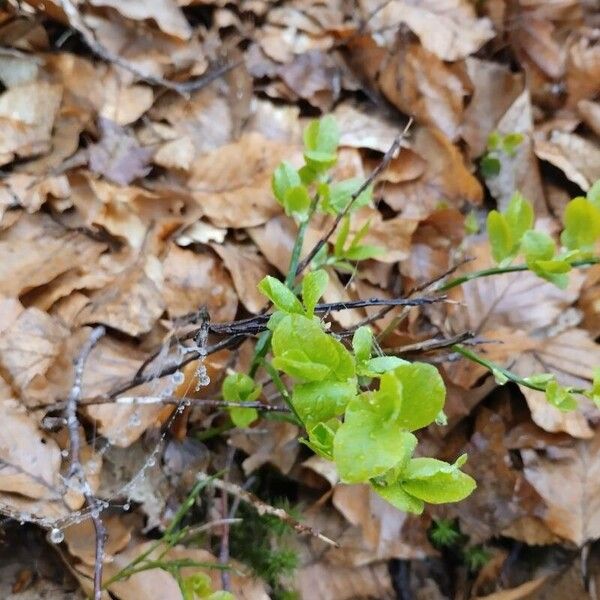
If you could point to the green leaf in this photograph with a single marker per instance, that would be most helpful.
(284, 178)
(435, 481)
(593, 194)
(423, 394)
(280, 295)
(320, 438)
(362, 342)
(539, 379)
(337, 196)
(342, 236)
(490, 166)
(243, 417)
(494, 140)
(302, 349)
(322, 135)
(398, 497)
(471, 223)
(560, 397)
(536, 246)
(296, 202)
(367, 446)
(519, 217)
(582, 225)
(380, 364)
(322, 400)
(500, 237)
(313, 286)
(511, 142)
(594, 393)
(363, 252)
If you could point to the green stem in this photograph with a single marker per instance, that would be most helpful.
(281, 387)
(264, 340)
(495, 368)
(501, 270)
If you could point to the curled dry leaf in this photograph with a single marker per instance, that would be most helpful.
(420, 84)
(446, 178)
(166, 13)
(29, 467)
(567, 479)
(450, 29)
(246, 267)
(27, 114)
(232, 185)
(132, 303)
(193, 280)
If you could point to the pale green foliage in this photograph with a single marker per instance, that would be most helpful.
(238, 387)
(497, 145)
(199, 587)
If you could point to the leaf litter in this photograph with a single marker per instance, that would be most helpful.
(137, 145)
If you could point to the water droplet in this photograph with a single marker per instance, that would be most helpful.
(178, 378)
(151, 461)
(64, 453)
(126, 506)
(56, 536)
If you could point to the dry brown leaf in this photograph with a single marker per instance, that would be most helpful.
(232, 185)
(29, 466)
(275, 443)
(420, 84)
(340, 582)
(590, 113)
(176, 154)
(193, 280)
(577, 157)
(247, 268)
(29, 346)
(36, 250)
(125, 104)
(27, 114)
(583, 68)
(519, 172)
(495, 88)
(449, 29)
(132, 303)
(520, 592)
(314, 76)
(446, 179)
(166, 13)
(567, 479)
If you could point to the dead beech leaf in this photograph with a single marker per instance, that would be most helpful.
(521, 592)
(276, 444)
(572, 356)
(340, 582)
(418, 83)
(27, 114)
(232, 185)
(29, 346)
(156, 583)
(567, 479)
(449, 29)
(166, 13)
(176, 154)
(118, 155)
(31, 192)
(29, 466)
(495, 88)
(125, 104)
(577, 157)
(590, 113)
(583, 68)
(200, 232)
(193, 280)
(521, 171)
(314, 76)
(361, 129)
(36, 250)
(247, 268)
(380, 531)
(132, 303)
(446, 179)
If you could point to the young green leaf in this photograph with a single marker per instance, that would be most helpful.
(238, 387)
(321, 139)
(313, 287)
(296, 202)
(519, 217)
(582, 225)
(320, 438)
(380, 364)
(593, 194)
(560, 397)
(397, 496)
(284, 178)
(437, 482)
(511, 142)
(490, 166)
(337, 196)
(362, 342)
(322, 400)
(500, 237)
(280, 295)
